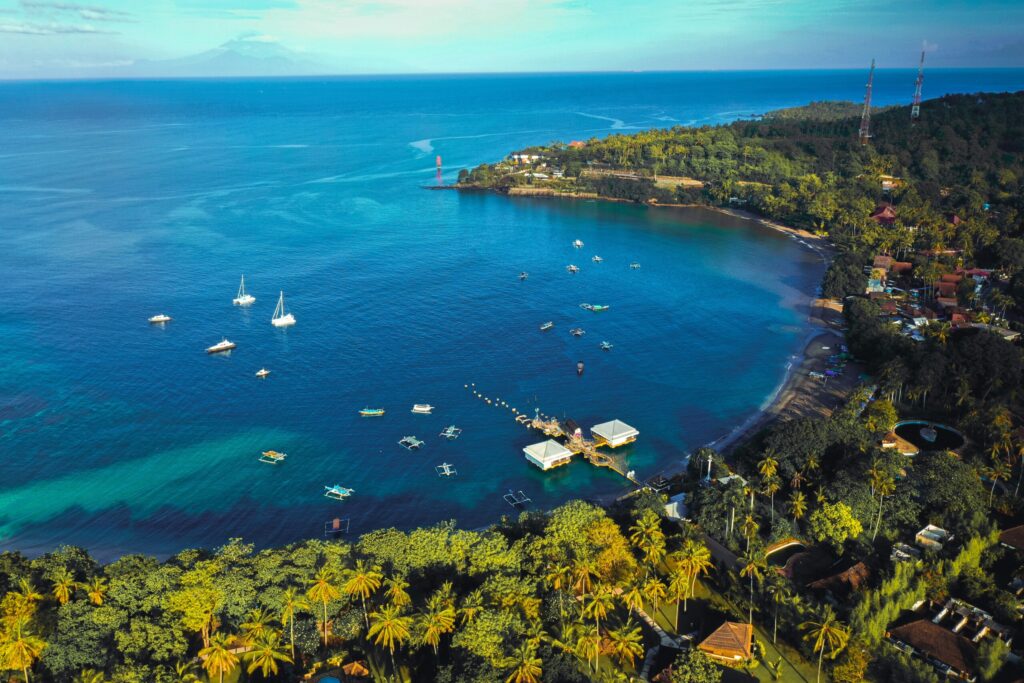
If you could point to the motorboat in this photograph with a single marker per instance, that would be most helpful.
(578, 244)
(221, 346)
(422, 408)
(523, 275)
(243, 298)
(597, 259)
(159, 318)
(634, 265)
(597, 308)
(371, 412)
(606, 346)
(579, 368)
(547, 326)
(410, 443)
(280, 318)
(587, 307)
(577, 332)
(572, 269)
(262, 372)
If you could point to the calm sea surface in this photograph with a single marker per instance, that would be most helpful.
(120, 200)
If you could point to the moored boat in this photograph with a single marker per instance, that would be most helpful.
(572, 268)
(371, 412)
(577, 332)
(422, 408)
(547, 326)
(523, 275)
(159, 318)
(221, 346)
(243, 298)
(597, 259)
(262, 372)
(587, 307)
(280, 318)
(597, 308)
(606, 346)
(578, 244)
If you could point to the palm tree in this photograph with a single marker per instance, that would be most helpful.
(588, 645)
(471, 606)
(266, 653)
(626, 643)
(1020, 464)
(797, 505)
(824, 633)
(323, 590)
(527, 666)
(583, 574)
(1000, 471)
(184, 673)
(779, 594)
(750, 529)
(768, 466)
(257, 626)
(648, 538)
(558, 576)
(64, 585)
(885, 487)
(436, 620)
(655, 590)
(389, 628)
(291, 602)
(22, 648)
(363, 580)
(96, 590)
(771, 486)
(678, 588)
(218, 659)
(798, 479)
(752, 563)
(90, 676)
(396, 592)
(632, 597)
(598, 603)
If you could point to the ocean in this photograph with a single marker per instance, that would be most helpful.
(121, 200)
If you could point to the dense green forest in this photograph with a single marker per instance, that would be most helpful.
(562, 595)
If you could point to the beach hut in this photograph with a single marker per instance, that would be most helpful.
(615, 433)
(548, 454)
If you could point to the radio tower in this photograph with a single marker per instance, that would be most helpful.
(915, 109)
(865, 117)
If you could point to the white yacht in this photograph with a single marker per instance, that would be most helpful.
(422, 408)
(160, 318)
(221, 346)
(578, 244)
(243, 298)
(262, 372)
(282, 319)
(597, 259)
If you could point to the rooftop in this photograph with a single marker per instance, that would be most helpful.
(1013, 537)
(950, 648)
(614, 430)
(729, 641)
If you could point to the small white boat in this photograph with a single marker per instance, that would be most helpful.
(446, 469)
(606, 346)
(577, 332)
(547, 326)
(160, 318)
(597, 259)
(634, 265)
(243, 298)
(272, 457)
(572, 269)
(578, 244)
(410, 443)
(282, 319)
(338, 492)
(262, 372)
(221, 346)
(422, 408)
(523, 275)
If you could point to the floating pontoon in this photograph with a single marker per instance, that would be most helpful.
(516, 498)
(446, 469)
(272, 457)
(338, 525)
(410, 443)
(337, 492)
(451, 432)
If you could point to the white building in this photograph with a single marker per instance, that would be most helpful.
(615, 433)
(548, 454)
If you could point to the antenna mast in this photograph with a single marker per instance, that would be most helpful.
(915, 109)
(865, 117)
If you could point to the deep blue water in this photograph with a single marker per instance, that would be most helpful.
(120, 200)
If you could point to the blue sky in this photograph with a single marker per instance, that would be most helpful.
(42, 38)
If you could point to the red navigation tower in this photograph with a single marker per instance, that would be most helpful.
(865, 117)
(915, 109)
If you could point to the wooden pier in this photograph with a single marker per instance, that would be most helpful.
(570, 438)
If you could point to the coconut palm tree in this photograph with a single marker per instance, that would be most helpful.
(598, 603)
(437, 619)
(22, 647)
(678, 588)
(779, 593)
(694, 559)
(362, 580)
(752, 565)
(825, 633)
(90, 676)
(655, 591)
(218, 659)
(396, 592)
(771, 487)
(64, 585)
(626, 643)
(471, 606)
(768, 466)
(885, 487)
(1000, 471)
(558, 577)
(184, 672)
(588, 645)
(322, 589)
(632, 596)
(798, 479)
(97, 590)
(527, 666)
(257, 625)
(798, 505)
(750, 529)
(291, 602)
(390, 628)
(266, 653)
(583, 574)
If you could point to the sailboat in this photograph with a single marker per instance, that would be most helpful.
(282, 319)
(243, 298)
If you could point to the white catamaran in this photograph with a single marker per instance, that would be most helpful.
(243, 298)
(282, 319)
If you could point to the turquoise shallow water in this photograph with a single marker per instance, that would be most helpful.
(122, 200)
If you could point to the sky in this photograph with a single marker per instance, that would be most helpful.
(45, 39)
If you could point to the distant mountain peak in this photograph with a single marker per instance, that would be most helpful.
(246, 55)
